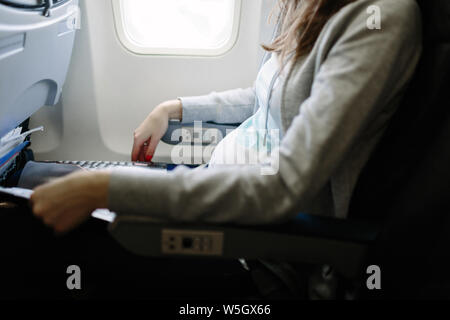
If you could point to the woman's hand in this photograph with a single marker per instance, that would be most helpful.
(150, 132)
(65, 203)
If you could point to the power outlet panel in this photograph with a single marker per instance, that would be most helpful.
(192, 242)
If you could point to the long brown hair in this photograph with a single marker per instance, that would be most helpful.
(301, 23)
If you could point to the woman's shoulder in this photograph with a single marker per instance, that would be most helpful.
(377, 14)
(382, 19)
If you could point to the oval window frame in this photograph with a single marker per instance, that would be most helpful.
(133, 47)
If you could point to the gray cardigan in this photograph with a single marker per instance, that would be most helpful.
(335, 106)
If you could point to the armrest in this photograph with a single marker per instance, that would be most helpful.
(172, 135)
(317, 240)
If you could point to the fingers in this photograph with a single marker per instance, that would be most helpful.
(59, 218)
(138, 143)
(141, 156)
(153, 143)
(150, 131)
(61, 221)
(69, 220)
(41, 208)
(139, 149)
(136, 149)
(143, 151)
(62, 204)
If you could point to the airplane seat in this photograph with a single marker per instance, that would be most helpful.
(36, 42)
(406, 181)
(397, 217)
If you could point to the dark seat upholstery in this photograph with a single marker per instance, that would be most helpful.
(406, 183)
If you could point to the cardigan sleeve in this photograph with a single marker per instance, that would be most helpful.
(227, 107)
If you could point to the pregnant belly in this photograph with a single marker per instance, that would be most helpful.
(240, 147)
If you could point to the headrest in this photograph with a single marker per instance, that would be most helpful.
(436, 19)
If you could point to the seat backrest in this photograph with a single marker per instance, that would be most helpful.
(406, 181)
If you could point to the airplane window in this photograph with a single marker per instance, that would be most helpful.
(179, 27)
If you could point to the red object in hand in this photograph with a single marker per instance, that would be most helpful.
(148, 158)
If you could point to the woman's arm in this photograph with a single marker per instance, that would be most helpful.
(232, 106)
(147, 136)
